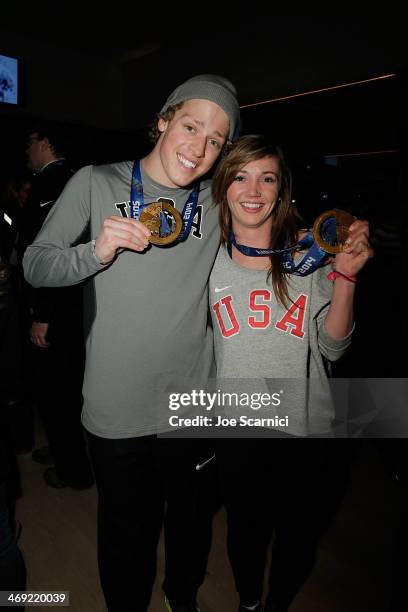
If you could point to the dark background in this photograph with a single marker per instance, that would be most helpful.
(93, 69)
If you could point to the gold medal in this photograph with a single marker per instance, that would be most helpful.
(333, 244)
(151, 218)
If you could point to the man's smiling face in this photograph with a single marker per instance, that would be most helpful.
(189, 143)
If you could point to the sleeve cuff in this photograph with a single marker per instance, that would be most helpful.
(101, 263)
(333, 348)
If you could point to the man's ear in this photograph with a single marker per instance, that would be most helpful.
(45, 144)
(162, 125)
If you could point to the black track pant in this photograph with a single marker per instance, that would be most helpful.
(290, 485)
(139, 481)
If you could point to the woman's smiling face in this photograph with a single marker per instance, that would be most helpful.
(253, 193)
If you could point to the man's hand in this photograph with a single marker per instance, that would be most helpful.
(4, 273)
(119, 233)
(38, 332)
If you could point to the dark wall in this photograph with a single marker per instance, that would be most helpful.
(266, 57)
(65, 84)
(102, 72)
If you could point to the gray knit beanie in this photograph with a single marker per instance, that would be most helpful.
(211, 87)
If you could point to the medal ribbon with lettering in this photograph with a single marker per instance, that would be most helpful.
(327, 237)
(137, 206)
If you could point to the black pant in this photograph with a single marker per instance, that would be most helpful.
(12, 566)
(58, 378)
(292, 486)
(139, 480)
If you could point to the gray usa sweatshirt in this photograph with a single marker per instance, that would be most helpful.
(146, 313)
(268, 346)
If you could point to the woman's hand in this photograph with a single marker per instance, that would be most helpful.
(357, 250)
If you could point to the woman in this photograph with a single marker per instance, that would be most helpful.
(271, 324)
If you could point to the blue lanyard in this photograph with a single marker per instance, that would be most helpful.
(137, 204)
(311, 260)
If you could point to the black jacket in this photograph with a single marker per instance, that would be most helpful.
(47, 305)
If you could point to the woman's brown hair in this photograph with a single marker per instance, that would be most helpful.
(285, 217)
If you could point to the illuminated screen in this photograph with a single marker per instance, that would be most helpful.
(8, 80)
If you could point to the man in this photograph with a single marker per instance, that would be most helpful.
(11, 354)
(56, 325)
(147, 318)
(11, 212)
